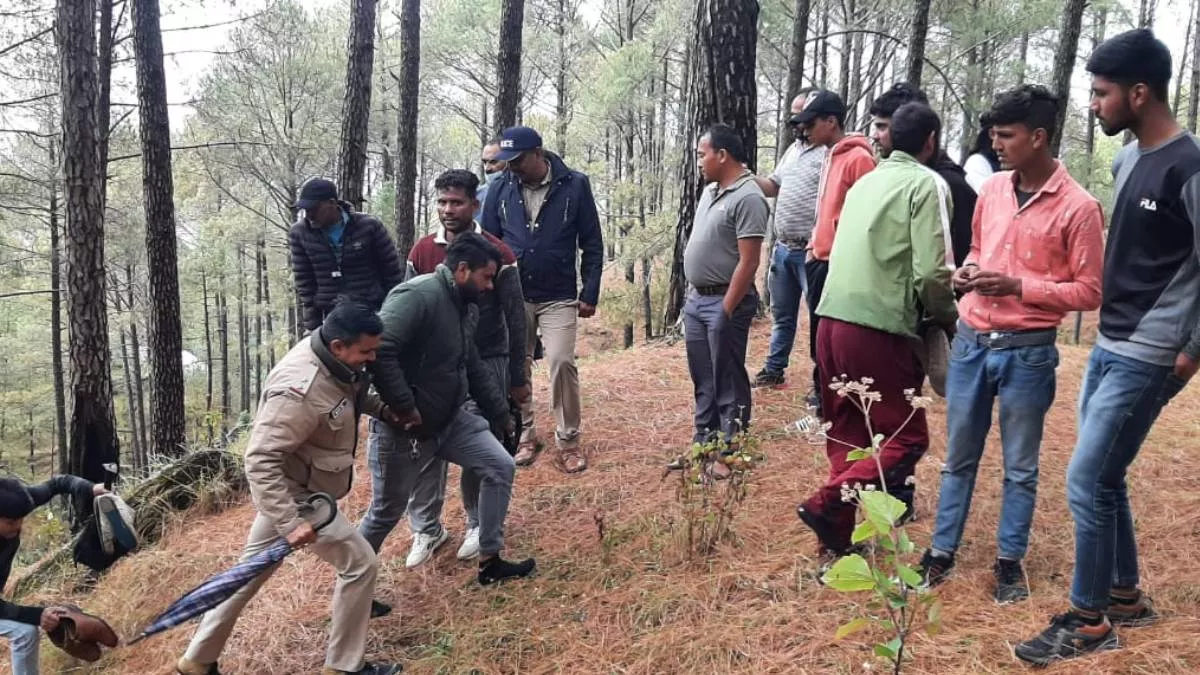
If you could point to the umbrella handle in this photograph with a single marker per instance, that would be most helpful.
(315, 499)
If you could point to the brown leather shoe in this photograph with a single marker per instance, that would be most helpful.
(80, 634)
(526, 453)
(572, 459)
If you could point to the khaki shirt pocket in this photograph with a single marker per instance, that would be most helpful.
(332, 474)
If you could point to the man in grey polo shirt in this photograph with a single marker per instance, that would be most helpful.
(719, 262)
(795, 185)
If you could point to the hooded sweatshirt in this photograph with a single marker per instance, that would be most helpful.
(850, 159)
(963, 196)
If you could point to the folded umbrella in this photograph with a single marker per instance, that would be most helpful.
(220, 587)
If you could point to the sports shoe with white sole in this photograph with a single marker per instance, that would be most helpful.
(423, 547)
(470, 545)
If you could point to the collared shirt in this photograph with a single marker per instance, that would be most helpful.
(1054, 244)
(535, 195)
(799, 179)
(723, 216)
(335, 233)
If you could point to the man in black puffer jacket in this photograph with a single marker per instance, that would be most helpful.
(338, 251)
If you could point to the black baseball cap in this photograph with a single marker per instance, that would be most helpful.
(316, 191)
(820, 103)
(516, 140)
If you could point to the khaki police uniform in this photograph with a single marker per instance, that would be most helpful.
(303, 441)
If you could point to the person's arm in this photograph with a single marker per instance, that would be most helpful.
(489, 216)
(61, 485)
(931, 275)
(387, 256)
(591, 242)
(973, 254)
(11, 611)
(750, 223)
(402, 316)
(282, 424)
(1085, 257)
(1191, 349)
(305, 279)
(512, 300)
(769, 187)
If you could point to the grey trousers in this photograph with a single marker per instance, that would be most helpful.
(716, 354)
(429, 494)
(397, 462)
(337, 544)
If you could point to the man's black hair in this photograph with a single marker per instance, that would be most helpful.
(473, 249)
(890, 101)
(911, 125)
(1031, 105)
(348, 321)
(1134, 57)
(723, 137)
(458, 178)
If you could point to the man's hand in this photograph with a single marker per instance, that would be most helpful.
(51, 617)
(522, 393)
(408, 419)
(586, 311)
(302, 536)
(964, 278)
(995, 285)
(1185, 367)
(99, 489)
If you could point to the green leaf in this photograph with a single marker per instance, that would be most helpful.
(887, 544)
(882, 509)
(883, 651)
(864, 531)
(906, 544)
(856, 455)
(851, 628)
(933, 624)
(849, 574)
(908, 575)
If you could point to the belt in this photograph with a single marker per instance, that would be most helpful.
(719, 289)
(795, 245)
(1012, 339)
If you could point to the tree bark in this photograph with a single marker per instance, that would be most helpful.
(136, 347)
(128, 376)
(223, 337)
(208, 358)
(1064, 64)
(721, 88)
(562, 107)
(266, 285)
(56, 347)
(256, 382)
(1177, 101)
(93, 438)
(243, 335)
(918, 31)
(795, 77)
(1022, 66)
(508, 63)
(406, 125)
(1194, 88)
(167, 423)
(356, 106)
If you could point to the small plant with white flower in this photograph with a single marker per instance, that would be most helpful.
(901, 603)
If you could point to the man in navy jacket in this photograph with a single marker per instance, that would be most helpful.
(545, 212)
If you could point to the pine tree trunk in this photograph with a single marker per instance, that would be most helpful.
(256, 382)
(93, 438)
(795, 77)
(1194, 87)
(406, 127)
(508, 63)
(167, 424)
(1022, 66)
(223, 337)
(1064, 63)
(846, 42)
(356, 106)
(1182, 67)
(266, 285)
(56, 327)
(721, 88)
(136, 348)
(138, 451)
(918, 31)
(243, 335)
(208, 358)
(562, 104)
(823, 60)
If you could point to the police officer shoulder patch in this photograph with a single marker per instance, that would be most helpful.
(339, 409)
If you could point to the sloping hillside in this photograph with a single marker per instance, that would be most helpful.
(633, 604)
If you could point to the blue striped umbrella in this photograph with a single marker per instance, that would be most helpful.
(220, 587)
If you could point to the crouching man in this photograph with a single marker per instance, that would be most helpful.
(303, 442)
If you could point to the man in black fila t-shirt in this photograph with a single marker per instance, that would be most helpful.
(1148, 345)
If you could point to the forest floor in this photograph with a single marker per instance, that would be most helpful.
(631, 602)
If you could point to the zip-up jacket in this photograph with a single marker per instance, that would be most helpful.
(964, 197)
(890, 265)
(428, 359)
(849, 160)
(546, 249)
(1151, 306)
(368, 267)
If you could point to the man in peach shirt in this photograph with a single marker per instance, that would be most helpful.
(1036, 254)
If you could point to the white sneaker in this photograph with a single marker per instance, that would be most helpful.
(470, 545)
(423, 547)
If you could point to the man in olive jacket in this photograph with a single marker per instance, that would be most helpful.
(428, 367)
(303, 441)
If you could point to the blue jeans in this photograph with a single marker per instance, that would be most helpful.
(788, 286)
(23, 642)
(1023, 379)
(1120, 399)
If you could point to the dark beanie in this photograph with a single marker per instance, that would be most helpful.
(15, 500)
